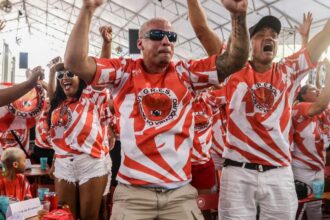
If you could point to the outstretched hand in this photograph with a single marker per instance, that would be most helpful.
(92, 4)
(106, 33)
(304, 28)
(28, 73)
(37, 74)
(53, 63)
(235, 6)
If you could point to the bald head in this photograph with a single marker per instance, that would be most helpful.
(154, 21)
(157, 50)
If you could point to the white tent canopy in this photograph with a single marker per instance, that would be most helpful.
(53, 20)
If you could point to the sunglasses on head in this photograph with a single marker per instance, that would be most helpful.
(158, 35)
(60, 74)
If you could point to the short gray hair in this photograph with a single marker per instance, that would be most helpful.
(147, 23)
(10, 155)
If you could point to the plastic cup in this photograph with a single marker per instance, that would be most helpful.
(4, 203)
(43, 163)
(52, 198)
(45, 205)
(318, 188)
(41, 193)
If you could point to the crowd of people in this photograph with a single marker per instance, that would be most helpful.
(170, 126)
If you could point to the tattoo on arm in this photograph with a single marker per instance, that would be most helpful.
(237, 51)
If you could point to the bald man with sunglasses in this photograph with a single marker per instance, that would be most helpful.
(152, 99)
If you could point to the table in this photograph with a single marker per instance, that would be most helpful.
(37, 178)
(36, 171)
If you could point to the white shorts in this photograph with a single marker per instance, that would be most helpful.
(81, 168)
(109, 163)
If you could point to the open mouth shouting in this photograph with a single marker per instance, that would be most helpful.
(70, 86)
(67, 85)
(268, 48)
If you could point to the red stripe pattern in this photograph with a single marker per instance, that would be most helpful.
(203, 131)
(22, 113)
(7, 139)
(155, 117)
(42, 136)
(310, 137)
(78, 126)
(259, 111)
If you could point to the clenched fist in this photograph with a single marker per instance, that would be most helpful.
(235, 6)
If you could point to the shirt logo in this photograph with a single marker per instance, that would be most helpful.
(263, 96)
(30, 105)
(202, 121)
(157, 105)
(61, 117)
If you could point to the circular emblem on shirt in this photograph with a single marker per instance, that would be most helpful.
(30, 105)
(263, 96)
(61, 117)
(157, 105)
(202, 121)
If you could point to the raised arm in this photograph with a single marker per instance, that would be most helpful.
(10, 94)
(208, 38)
(106, 33)
(76, 57)
(319, 43)
(304, 28)
(323, 100)
(52, 77)
(237, 51)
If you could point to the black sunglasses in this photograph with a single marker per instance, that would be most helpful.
(158, 35)
(60, 74)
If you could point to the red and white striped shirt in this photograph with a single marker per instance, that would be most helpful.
(77, 126)
(155, 117)
(219, 131)
(216, 99)
(7, 139)
(259, 111)
(41, 130)
(203, 131)
(209, 125)
(310, 137)
(22, 113)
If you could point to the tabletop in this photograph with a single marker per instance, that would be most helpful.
(36, 171)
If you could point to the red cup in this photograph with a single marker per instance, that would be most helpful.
(52, 198)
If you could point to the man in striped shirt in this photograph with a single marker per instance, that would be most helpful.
(152, 100)
(259, 99)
